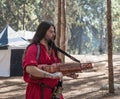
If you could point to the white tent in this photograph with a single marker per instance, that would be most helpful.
(28, 35)
(5, 63)
(11, 49)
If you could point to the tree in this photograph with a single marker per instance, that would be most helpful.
(110, 62)
(61, 26)
(63, 29)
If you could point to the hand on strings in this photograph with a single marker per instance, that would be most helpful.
(72, 75)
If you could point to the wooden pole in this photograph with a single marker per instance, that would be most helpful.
(57, 21)
(110, 61)
(63, 29)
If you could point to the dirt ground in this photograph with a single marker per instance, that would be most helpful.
(91, 84)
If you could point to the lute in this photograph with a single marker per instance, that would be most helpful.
(67, 68)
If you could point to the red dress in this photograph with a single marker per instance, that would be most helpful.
(33, 90)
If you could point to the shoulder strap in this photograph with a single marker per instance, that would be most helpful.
(38, 52)
(68, 55)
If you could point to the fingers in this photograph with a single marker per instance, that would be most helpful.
(73, 75)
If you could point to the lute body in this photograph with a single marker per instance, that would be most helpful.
(67, 67)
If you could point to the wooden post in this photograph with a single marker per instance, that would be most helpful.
(63, 29)
(57, 21)
(60, 23)
(110, 61)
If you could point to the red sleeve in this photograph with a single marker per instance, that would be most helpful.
(30, 56)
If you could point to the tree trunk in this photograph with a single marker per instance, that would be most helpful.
(63, 29)
(58, 20)
(60, 23)
(110, 62)
(24, 8)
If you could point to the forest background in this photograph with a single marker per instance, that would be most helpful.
(86, 22)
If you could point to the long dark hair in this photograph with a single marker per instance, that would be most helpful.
(40, 34)
(41, 31)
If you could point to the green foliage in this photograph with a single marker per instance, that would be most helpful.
(116, 25)
(89, 17)
(25, 14)
(86, 21)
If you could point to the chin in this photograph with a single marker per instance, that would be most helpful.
(52, 39)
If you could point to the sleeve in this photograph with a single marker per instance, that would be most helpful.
(30, 56)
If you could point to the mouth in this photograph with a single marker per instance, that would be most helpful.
(53, 38)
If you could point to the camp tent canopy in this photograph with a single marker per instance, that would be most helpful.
(27, 35)
(9, 37)
(11, 50)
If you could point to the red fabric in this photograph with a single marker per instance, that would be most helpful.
(33, 90)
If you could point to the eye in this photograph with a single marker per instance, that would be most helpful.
(52, 31)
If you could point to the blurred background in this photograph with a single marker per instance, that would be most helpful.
(86, 29)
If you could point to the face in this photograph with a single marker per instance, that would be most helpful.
(50, 34)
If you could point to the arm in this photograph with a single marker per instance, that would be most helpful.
(67, 69)
(38, 73)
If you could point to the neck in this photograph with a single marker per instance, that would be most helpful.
(44, 42)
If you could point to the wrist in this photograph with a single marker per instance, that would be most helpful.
(48, 75)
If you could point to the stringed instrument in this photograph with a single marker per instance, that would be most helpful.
(67, 68)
